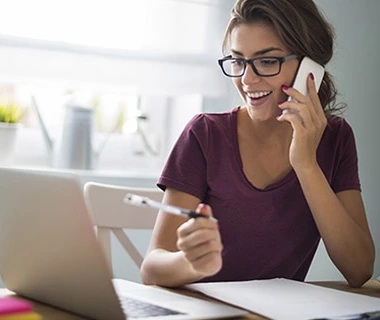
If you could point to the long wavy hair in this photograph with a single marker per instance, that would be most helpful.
(302, 28)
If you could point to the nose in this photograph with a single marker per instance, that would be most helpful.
(250, 76)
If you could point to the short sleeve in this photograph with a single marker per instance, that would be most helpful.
(346, 176)
(186, 168)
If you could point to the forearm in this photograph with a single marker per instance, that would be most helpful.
(348, 243)
(169, 269)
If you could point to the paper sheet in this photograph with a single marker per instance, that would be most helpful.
(287, 299)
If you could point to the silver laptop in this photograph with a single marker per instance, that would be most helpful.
(49, 253)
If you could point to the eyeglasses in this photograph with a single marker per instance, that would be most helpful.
(263, 66)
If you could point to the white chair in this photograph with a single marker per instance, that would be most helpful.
(111, 214)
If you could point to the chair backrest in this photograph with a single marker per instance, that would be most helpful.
(111, 214)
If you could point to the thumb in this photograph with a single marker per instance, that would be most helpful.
(204, 209)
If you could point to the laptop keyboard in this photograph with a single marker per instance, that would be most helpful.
(141, 309)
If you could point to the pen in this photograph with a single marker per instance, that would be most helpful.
(362, 316)
(145, 201)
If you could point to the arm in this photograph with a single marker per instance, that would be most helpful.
(181, 250)
(343, 226)
(340, 217)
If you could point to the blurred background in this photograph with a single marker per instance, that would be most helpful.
(149, 64)
(145, 68)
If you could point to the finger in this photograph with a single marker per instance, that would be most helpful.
(195, 227)
(191, 224)
(205, 248)
(186, 228)
(197, 238)
(197, 223)
(209, 263)
(297, 100)
(294, 94)
(204, 209)
(293, 118)
(295, 108)
(313, 94)
(306, 107)
(292, 106)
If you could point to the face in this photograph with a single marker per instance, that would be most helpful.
(261, 94)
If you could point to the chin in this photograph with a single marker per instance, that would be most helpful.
(261, 114)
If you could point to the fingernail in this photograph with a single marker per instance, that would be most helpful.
(284, 87)
(311, 76)
(202, 206)
(278, 117)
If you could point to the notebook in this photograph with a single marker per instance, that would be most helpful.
(295, 300)
(49, 253)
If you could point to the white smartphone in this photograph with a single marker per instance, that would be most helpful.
(306, 67)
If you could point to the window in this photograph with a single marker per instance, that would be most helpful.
(111, 54)
(154, 25)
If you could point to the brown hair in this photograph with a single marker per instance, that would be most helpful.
(301, 27)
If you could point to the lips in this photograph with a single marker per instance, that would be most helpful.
(258, 97)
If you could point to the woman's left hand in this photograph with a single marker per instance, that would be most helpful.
(308, 122)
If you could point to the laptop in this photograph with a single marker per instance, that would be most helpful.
(49, 253)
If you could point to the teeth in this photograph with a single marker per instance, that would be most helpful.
(258, 94)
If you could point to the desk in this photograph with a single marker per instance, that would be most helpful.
(370, 288)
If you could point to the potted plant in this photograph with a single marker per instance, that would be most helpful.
(10, 115)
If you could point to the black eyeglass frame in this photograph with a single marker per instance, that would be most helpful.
(250, 62)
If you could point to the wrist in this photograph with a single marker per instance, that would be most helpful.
(308, 171)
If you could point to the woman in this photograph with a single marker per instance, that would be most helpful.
(276, 182)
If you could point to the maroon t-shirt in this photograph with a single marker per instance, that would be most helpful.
(266, 233)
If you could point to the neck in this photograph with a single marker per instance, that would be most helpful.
(266, 132)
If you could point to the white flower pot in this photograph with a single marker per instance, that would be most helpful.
(8, 136)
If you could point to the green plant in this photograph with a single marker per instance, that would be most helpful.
(10, 112)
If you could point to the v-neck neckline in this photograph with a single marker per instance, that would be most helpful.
(288, 177)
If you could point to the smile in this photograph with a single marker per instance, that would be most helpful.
(257, 95)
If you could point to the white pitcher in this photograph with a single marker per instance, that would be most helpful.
(74, 148)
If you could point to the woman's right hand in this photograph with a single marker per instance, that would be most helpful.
(199, 240)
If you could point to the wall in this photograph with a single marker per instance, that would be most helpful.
(356, 68)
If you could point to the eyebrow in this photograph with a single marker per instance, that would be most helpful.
(258, 53)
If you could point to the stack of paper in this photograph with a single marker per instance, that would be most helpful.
(15, 309)
(287, 299)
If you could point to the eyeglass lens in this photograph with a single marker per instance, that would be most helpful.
(263, 66)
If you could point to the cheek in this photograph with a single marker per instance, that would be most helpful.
(277, 83)
(280, 94)
(237, 84)
(289, 73)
